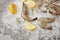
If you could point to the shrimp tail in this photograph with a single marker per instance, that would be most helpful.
(35, 19)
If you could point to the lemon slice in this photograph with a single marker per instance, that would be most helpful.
(31, 4)
(23, 0)
(13, 8)
(30, 26)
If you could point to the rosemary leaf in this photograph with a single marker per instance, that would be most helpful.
(18, 20)
(47, 8)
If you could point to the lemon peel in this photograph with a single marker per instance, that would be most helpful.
(30, 26)
(31, 4)
(13, 8)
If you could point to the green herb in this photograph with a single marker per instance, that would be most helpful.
(18, 20)
(47, 8)
(32, 11)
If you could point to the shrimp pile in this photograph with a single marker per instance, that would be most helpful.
(53, 10)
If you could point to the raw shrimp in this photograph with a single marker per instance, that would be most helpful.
(44, 23)
(52, 1)
(25, 14)
(39, 3)
(54, 9)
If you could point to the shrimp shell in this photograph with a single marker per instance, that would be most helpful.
(44, 23)
(25, 14)
(52, 1)
(39, 3)
(54, 9)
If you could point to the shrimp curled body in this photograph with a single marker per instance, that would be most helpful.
(44, 23)
(25, 14)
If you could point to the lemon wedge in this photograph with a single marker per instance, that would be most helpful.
(31, 4)
(23, 0)
(13, 8)
(30, 26)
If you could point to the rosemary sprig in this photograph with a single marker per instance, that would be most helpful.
(18, 20)
(47, 8)
(32, 9)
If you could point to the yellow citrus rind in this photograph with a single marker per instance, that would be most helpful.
(30, 26)
(13, 8)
